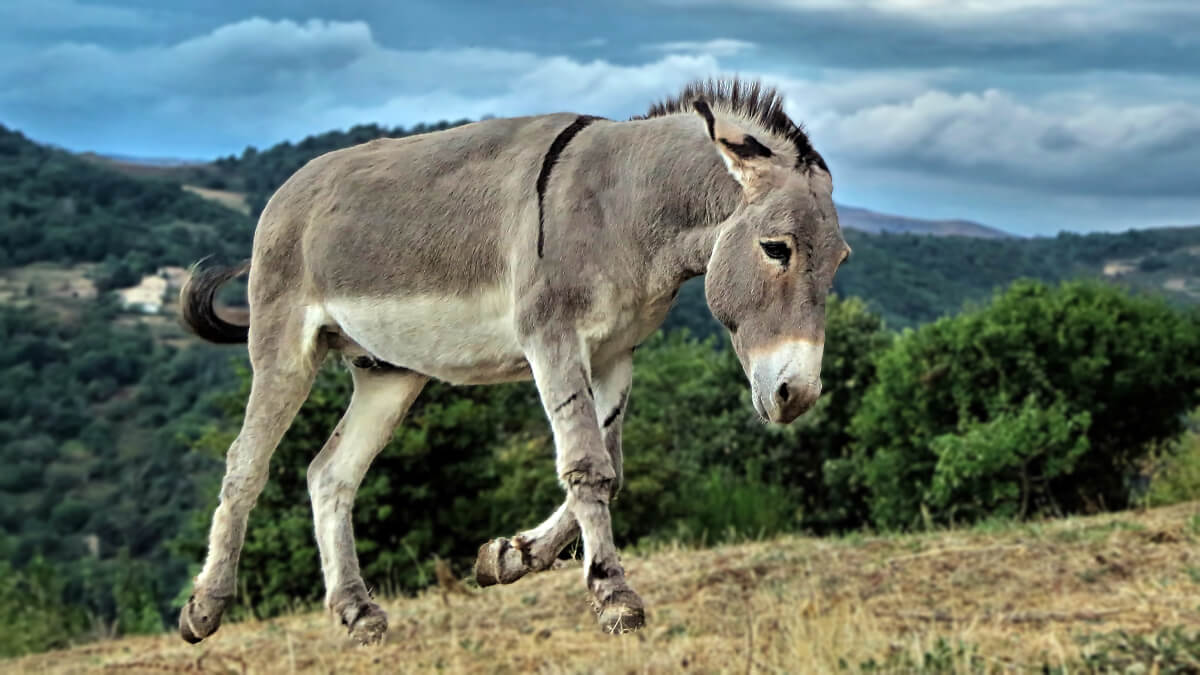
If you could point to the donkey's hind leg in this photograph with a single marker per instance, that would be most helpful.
(284, 363)
(381, 398)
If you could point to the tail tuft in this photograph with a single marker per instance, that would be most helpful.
(196, 305)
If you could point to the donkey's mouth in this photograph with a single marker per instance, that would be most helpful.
(759, 407)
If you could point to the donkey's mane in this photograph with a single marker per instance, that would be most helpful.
(749, 99)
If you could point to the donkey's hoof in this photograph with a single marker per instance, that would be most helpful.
(499, 562)
(369, 626)
(622, 613)
(201, 617)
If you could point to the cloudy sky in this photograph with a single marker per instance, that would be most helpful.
(1031, 115)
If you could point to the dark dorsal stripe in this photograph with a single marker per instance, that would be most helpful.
(556, 149)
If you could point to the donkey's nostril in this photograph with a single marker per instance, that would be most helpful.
(783, 392)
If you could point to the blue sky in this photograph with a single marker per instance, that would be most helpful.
(1030, 115)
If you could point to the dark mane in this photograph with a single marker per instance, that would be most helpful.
(749, 99)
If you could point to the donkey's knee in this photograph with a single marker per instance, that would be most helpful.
(590, 477)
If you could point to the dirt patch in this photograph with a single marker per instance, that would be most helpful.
(47, 283)
(227, 198)
(1117, 268)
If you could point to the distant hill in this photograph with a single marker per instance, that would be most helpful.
(854, 218)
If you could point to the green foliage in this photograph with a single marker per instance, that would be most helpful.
(1176, 474)
(55, 206)
(986, 469)
(1060, 368)
(728, 507)
(33, 615)
(95, 425)
(1172, 650)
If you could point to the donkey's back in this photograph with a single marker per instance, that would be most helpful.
(427, 213)
(400, 250)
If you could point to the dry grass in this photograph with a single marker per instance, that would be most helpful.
(1018, 595)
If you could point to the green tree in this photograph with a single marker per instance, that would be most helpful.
(1044, 400)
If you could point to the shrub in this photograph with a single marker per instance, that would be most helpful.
(1047, 397)
(32, 610)
(1176, 476)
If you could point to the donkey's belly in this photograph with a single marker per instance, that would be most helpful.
(460, 340)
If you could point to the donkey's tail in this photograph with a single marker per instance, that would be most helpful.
(196, 304)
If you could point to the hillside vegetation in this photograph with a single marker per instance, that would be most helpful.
(113, 425)
(1112, 593)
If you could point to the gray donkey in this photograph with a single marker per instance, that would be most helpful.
(542, 247)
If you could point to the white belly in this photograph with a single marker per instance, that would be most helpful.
(473, 339)
(462, 340)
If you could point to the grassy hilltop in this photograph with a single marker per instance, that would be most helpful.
(1072, 595)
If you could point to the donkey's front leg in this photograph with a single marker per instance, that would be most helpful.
(503, 561)
(586, 469)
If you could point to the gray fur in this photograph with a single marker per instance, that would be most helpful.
(421, 254)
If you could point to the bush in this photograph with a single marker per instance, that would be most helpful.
(1046, 400)
(1175, 477)
(987, 469)
(32, 611)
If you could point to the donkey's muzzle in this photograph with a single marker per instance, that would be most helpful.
(786, 379)
(793, 399)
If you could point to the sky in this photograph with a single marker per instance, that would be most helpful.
(1035, 116)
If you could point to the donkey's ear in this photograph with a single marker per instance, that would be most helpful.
(746, 157)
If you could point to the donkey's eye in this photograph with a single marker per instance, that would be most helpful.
(776, 250)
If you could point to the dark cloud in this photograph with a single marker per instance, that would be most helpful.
(1070, 102)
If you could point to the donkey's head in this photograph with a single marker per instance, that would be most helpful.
(773, 265)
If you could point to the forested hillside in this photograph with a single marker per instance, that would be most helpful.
(112, 424)
(911, 279)
(59, 208)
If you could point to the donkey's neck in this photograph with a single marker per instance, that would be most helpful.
(687, 193)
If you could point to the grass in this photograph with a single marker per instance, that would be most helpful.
(1097, 594)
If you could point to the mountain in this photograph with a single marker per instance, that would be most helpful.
(864, 220)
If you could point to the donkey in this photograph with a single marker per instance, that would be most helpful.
(545, 248)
